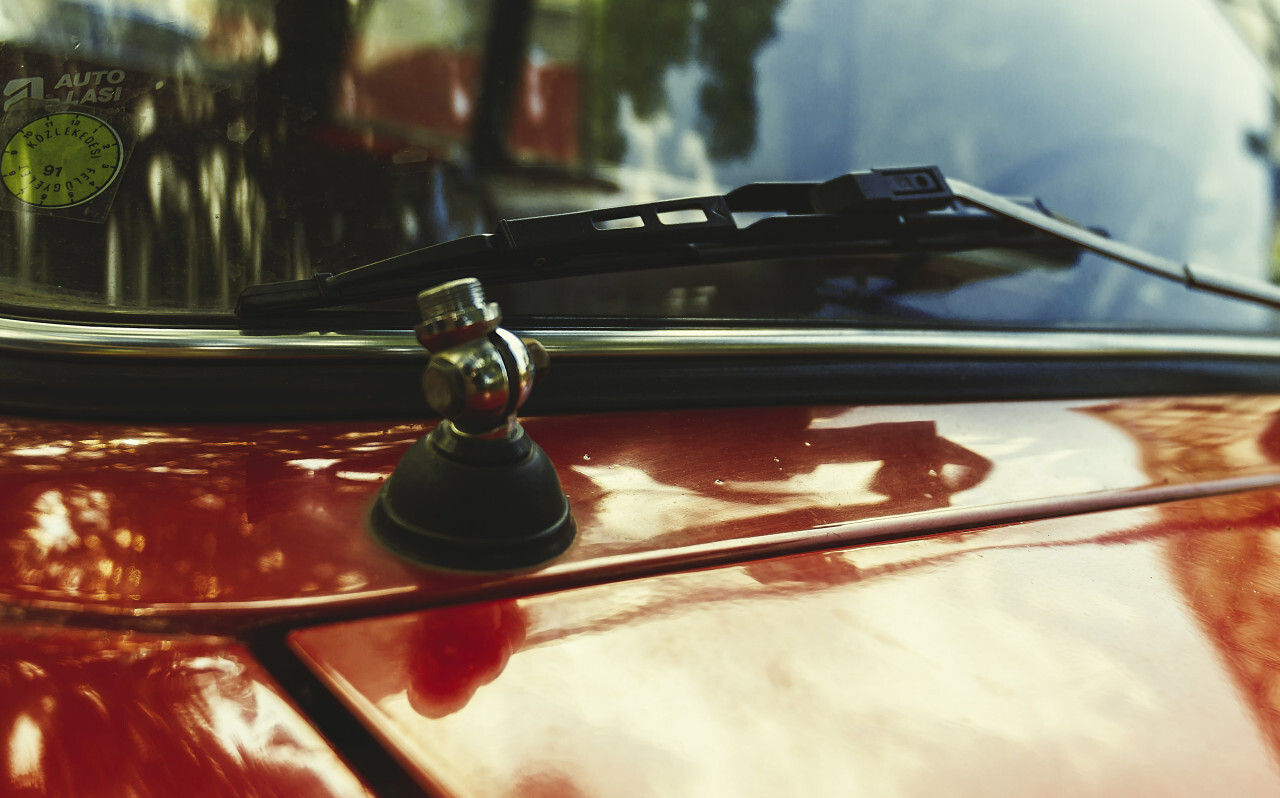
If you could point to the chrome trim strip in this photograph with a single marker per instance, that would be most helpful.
(78, 340)
(764, 342)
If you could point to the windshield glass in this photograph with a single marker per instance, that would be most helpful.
(161, 155)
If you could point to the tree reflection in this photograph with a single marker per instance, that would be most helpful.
(721, 37)
(455, 651)
(732, 33)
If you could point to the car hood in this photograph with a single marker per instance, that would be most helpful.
(892, 597)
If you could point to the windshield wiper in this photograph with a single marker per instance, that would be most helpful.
(1197, 278)
(876, 211)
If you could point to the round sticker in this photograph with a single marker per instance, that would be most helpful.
(60, 160)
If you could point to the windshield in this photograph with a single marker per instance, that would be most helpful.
(161, 155)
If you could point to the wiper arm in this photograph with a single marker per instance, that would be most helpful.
(881, 210)
(1197, 278)
(697, 229)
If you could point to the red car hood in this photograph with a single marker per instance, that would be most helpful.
(1085, 604)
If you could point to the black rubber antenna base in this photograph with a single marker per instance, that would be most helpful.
(473, 504)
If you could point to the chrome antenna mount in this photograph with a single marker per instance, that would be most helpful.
(476, 493)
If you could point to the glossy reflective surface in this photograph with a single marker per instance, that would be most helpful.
(222, 522)
(95, 713)
(1123, 653)
(274, 139)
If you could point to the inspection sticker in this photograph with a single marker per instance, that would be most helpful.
(58, 157)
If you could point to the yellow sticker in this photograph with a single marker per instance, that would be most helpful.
(61, 159)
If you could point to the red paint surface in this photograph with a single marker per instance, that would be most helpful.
(430, 91)
(1113, 652)
(235, 520)
(545, 119)
(95, 713)
(433, 93)
(1131, 652)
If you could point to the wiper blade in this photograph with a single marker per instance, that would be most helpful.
(549, 246)
(880, 210)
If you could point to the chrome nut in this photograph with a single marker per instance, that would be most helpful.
(468, 381)
(455, 312)
(444, 387)
(479, 374)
